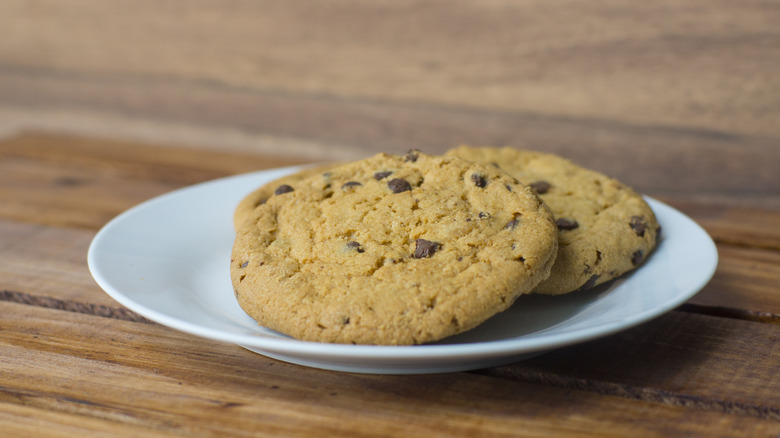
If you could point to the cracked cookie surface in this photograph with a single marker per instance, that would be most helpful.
(605, 228)
(392, 250)
(281, 185)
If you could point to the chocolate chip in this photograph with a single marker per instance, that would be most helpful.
(382, 175)
(511, 225)
(284, 188)
(638, 224)
(484, 215)
(425, 248)
(566, 224)
(350, 184)
(590, 283)
(412, 155)
(479, 180)
(636, 257)
(399, 185)
(508, 187)
(355, 245)
(540, 187)
(345, 320)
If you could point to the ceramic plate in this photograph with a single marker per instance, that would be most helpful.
(168, 260)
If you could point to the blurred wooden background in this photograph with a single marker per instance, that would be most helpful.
(632, 90)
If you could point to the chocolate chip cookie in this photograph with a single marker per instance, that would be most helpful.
(393, 249)
(605, 228)
(274, 188)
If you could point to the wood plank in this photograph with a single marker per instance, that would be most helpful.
(73, 192)
(70, 366)
(741, 226)
(705, 64)
(40, 261)
(82, 182)
(44, 261)
(659, 161)
(680, 358)
(49, 262)
(19, 420)
(379, 89)
(747, 279)
(746, 285)
(144, 161)
(63, 180)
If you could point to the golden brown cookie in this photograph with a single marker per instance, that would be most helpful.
(605, 228)
(392, 250)
(281, 185)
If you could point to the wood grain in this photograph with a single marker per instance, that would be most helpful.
(655, 160)
(108, 372)
(85, 182)
(680, 358)
(66, 180)
(746, 280)
(47, 262)
(644, 94)
(667, 63)
(754, 227)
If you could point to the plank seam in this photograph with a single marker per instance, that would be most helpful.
(748, 243)
(653, 395)
(73, 306)
(732, 313)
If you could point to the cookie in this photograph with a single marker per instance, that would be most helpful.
(392, 250)
(605, 228)
(282, 185)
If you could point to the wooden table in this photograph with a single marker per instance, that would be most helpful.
(104, 105)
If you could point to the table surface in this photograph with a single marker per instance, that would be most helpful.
(105, 105)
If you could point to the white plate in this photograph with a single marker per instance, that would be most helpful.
(168, 260)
